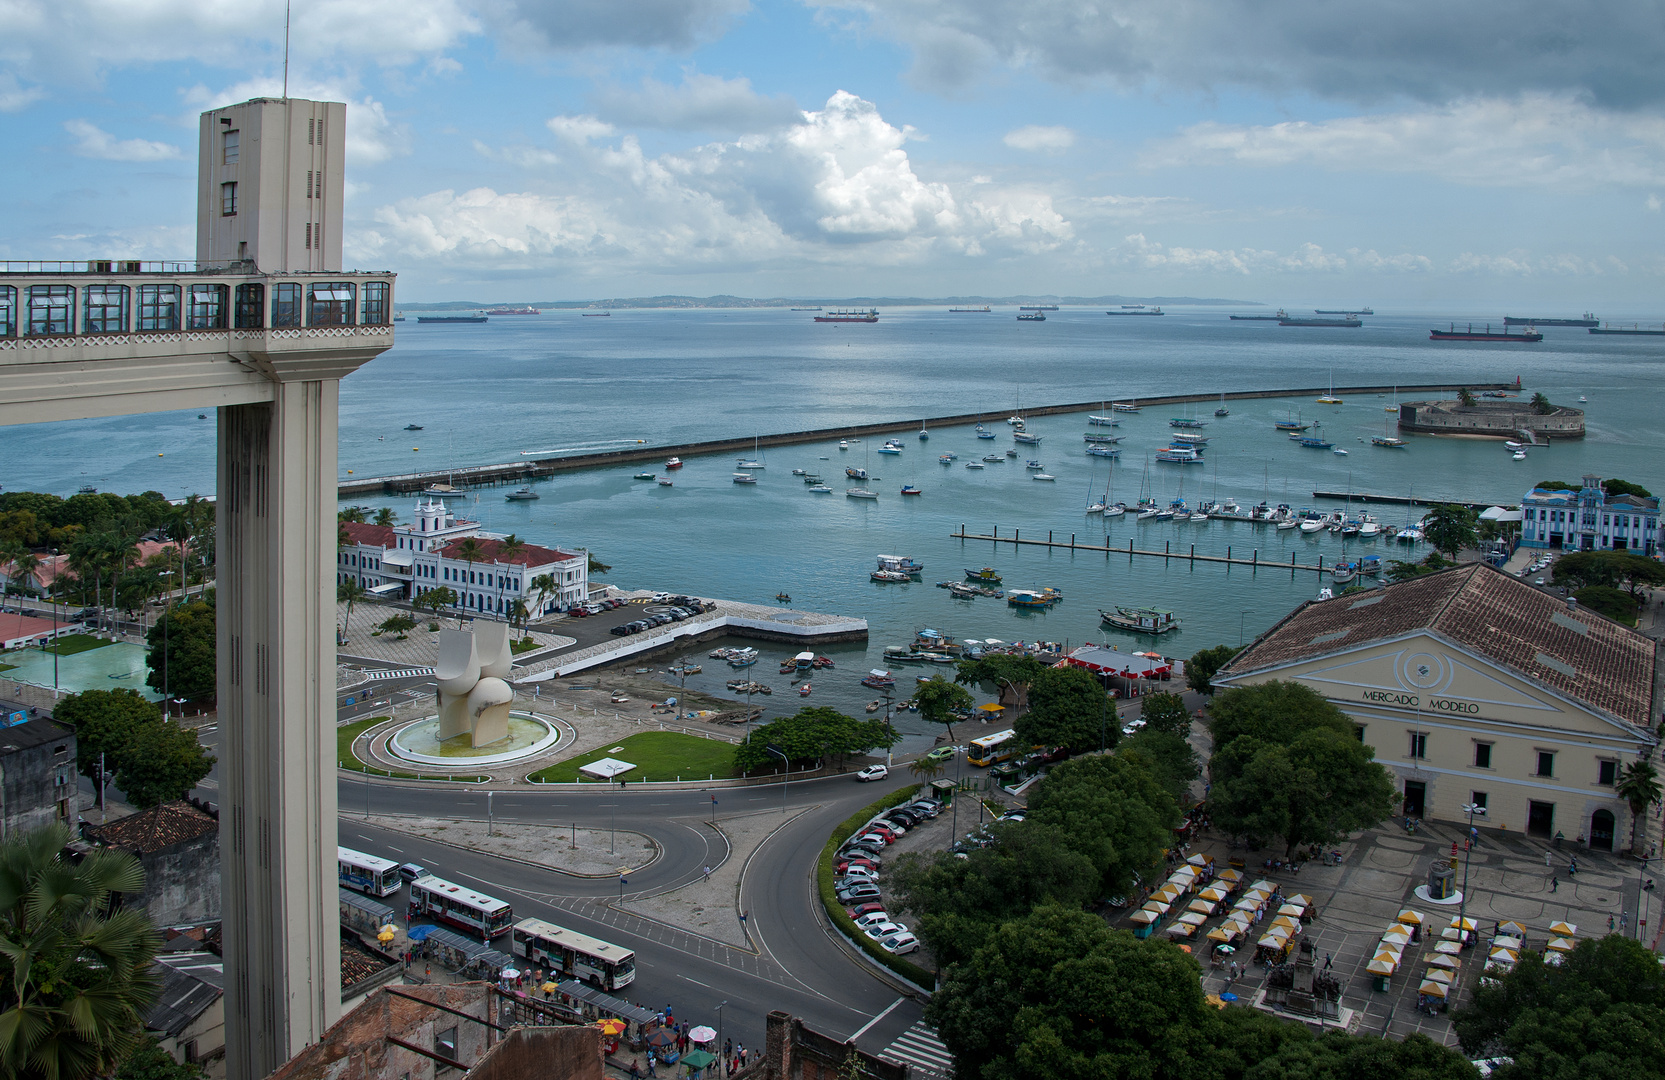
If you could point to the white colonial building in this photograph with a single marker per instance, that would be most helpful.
(403, 561)
(1589, 519)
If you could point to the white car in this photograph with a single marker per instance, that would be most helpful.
(872, 918)
(852, 872)
(874, 838)
(885, 929)
(899, 943)
(873, 772)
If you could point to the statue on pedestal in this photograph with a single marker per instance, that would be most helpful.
(474, 693)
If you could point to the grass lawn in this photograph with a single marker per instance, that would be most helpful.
(70, 644)
(347, 734)
(7, 667)
(657, 755)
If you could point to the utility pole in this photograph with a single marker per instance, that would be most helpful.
(1470, 809)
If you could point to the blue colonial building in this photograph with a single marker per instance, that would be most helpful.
(1589, 519)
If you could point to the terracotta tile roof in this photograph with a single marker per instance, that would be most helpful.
(529, 555)
(358, 963)
(157, 828)
(1576, 653)
(359, 532)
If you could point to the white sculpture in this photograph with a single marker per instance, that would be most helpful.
(474, 694)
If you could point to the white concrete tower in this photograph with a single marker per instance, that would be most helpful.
(270, 179)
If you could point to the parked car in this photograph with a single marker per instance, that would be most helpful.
(929, 807)
(871, 848)
(874, 837)
(872, 772)
(884, 930)
(411, 871)
(865, 909)
(899, 944)
(851, 873)
(890, 832)
(858, 894)
(620, 630)
(871, 918)
(904, 818)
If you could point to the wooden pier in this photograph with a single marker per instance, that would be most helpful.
(1400, 500)
(1254, 561)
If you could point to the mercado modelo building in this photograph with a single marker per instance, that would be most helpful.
(400, 562)
(1473, 687)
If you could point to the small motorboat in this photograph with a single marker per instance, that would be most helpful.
(909, 489)
(994, 459)
(975, 465)
(803, 691)
(521, 494)
(1034, 466)
(820, 489)
(800, 472)
(202, 416)
(664, 481)
(890, 575)
(1042, 476)
(413, 427)
(872, 706)
(673, 463)
(1519, 455)
(861, 493)
(645, 476)
(1339, 452)
(844, 444)
(744, 478)
(783, 598)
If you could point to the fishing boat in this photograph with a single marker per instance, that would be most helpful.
(889, 575)
(910, 489)
(1387, 438)
(1186, 422)
(521, 494)
(1222, 410)
(739, 658)
(1140, 620)
(1343, 572)
(854, 473)
(1189, 438)
(1125, 406)
(904, 563)
(878, 679)
(803, 691)
(413, 427)
(1103, 421)
(744, 478)
(1316, 440)
(1105, 451)
(1103, 440)
(860, 493)
(1291, 425)
(673, 463)
(1026, 438)
(645, 476)
(820, 489)
(1370, 565)
(664, 481)
(1033, 598)
(988, 575)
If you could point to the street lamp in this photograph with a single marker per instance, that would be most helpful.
(1471, 809)
(1641, 896)
(889, 730)
(720, 1008)
(786, 770)
(1241, 615)
(54, 625)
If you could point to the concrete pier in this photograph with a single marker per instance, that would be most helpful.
(1184, 554)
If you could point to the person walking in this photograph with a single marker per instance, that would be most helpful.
(1546, 860)
(1554, 883)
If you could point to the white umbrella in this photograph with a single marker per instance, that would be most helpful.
(702, 1034)
(510, 973)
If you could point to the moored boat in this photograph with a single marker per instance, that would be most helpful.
(1140, 620)
(860, 493)
(988, 575)
(521, 494)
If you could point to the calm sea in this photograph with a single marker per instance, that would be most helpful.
(485, 393)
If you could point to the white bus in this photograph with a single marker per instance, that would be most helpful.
(992, 748)
(450, 903)
(366, 873)
(574, 955)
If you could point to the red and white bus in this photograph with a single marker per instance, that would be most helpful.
(451, 903)
(576, 956)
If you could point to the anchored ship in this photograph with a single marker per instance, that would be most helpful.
(1487, 334)
(1587, 320)
(871, 315)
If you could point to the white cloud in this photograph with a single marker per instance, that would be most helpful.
(1521, 263)
(1141, 253)
(94, 142)
(371, 135)
(1652, 204)
(573, 25)
(701, 103)
(838, 187)
(1039, 137)
(1530, 140)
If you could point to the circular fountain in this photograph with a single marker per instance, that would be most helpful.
(419, 742)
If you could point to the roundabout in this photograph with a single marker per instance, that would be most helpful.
(419, 743)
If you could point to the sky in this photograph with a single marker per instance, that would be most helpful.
(1484, 154)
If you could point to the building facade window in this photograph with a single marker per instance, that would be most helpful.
(286, 304)
(158, 307)
(309, 183)
(228, 199)
(208, 308)
(250, 312)
(375, 309)
(1478, 798)
(332, 305)
(1546, 763)
(8, 311)
(1483, 755)
(104, 309)
(1419, 744)
(229, 146)
(51, 309)
(1607, 773)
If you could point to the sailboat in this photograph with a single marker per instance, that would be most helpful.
(1395, 406)
(1222, 410)
(923, 434)
(753, 462)
(1330, 398)
(1093, 507)
(1387, 438)
(1290, 423)
(1111, 509)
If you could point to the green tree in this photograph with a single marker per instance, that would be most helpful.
(78, 980)
(181, 649)
(813, 732)
(1615, 486)
(151, 1062)
(349, 592)
(399, 623)
(1288, 764)
(1639, 787)
(543, 587)
(1169, 757)
(1465, 397)
(159, 763)
(1555, 485)
(1400, 570)
(352, 514)
(1600, 1013)
(104, 722)
(1336, 1055)
(926, 769)
(519, 612)
(1113, 810)
(1006, 676)
(386, 516)
(470, 551)
(1203, 665)
(1068, 707)
(939, 699)
(1613, 603)
(435, 599)
(597, 566)
(1165, 712)
(1451, 529)
(1611, 569)
(1541, 404)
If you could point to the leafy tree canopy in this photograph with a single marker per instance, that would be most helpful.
(1615, 486)
(1168, 756)
(35, 519)
(1068, 707)
(182, 649)
(1609, 569)
(1200, 669)
(1616, 604)
(160, 763)
(939, 700)
(1274, 712)
(1601, 1013)
(1555, 485)
(1336, 1055)
(104, 721)
(151, 1062)
(813, 732)
(999, 673)
(1165, 712)
(1112, 809)
(1451, 528)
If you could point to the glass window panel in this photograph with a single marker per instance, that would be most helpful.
(106, 309)
(229, 141)
(208, 308)
(286, 304)
(228, 199)
(375, 311)
(250, 313)
(51, 309)
(8, 311)
(158, 307)
(332, 305)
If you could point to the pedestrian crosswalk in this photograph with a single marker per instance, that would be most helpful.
(920, 1048)
(397, 673)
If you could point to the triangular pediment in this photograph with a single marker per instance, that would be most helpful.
(1418, 672)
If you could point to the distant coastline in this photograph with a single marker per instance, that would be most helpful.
(806, 301)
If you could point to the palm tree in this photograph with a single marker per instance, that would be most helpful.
(86, 559)
(507, 549)
(1639, 786)
(925, 768)
(518, 613)
(545, 587)
(78, 978)
(349, 592)
(12, 552)
(470, 551)
(386, 516)
(1542, 405)
(24, 565)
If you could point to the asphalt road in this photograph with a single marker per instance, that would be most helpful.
(797, 964)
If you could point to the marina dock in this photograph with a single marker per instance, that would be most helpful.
(1399, 500)
(1254, 561)
(533, 468)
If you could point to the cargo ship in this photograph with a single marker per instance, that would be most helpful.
(1032, 316)
(450, 318)
(514, 311)
(1634, 330)
(1279, 317)
(1352, 311)
(871, 315)
(1587, 320)
(968, 310)
(1348, 321)
(1488, 334)
(1147, 311)
(1037, 307)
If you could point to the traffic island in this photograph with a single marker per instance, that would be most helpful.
(657, 756)
(568, 849)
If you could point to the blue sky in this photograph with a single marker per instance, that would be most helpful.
(1416, 151)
